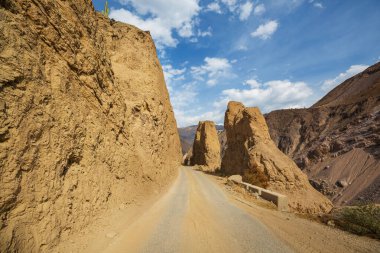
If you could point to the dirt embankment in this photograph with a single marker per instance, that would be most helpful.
(85, 120)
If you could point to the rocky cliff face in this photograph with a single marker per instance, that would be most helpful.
(206, 147)
(337, 139)
(186, 135)
(85, 120)
(252, 153)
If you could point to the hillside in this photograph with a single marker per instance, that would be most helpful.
(85, 120)
(337, 141)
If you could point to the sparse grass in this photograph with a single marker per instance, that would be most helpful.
(360, 220)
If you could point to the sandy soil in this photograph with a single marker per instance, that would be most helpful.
(199, 213)
(301, 234)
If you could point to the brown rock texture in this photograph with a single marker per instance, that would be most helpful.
(85, 120)
(252, 153)
(186, 135)
(337, 139)
(206, 147)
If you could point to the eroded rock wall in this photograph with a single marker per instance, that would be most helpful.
(206, 147)
(340, 130)
(252, 153)
(85, 120)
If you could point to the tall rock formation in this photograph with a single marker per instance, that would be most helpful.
(206, 147)
(186, 135)
(337, 139)
(85, 120)
(252, 153)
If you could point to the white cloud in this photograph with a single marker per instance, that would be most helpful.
(231, 4)
(182, 96)
(171, 74)
(160, 17)
(193, 40)
(332, 83)
(186, 30)
(245, 11)
(211, 82)
(192, 117)
(272, 95)
(214, 7)
(318, 5)
(206, 33)
(253, 83)
(160, 32)
(213, 69)
(266, 30)
(259, 9)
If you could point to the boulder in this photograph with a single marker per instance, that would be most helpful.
(342, 183)
(206, 147)
(252, 153)
(235, 179)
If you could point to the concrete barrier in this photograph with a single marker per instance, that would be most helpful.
(281, 201)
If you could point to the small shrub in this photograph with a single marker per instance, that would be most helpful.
(361, 220)
(106, 10)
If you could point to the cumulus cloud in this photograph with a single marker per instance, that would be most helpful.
(332, 83)
(266, 30)
(252, 83)
(214, 7)
(272, 95)
(186, 31)
(183, 96)
(160, 17)
(245, 11)
(171, 74)
(213, 69)
(259, 10)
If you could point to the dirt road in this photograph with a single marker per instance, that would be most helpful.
(199, 214)
(196, 216)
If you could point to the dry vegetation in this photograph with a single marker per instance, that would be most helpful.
(360, 220)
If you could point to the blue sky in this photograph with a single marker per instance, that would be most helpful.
(273, 54)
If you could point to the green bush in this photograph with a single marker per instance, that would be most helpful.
(361, 220)
(106, 10)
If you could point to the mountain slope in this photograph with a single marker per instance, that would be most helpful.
(337, 140)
